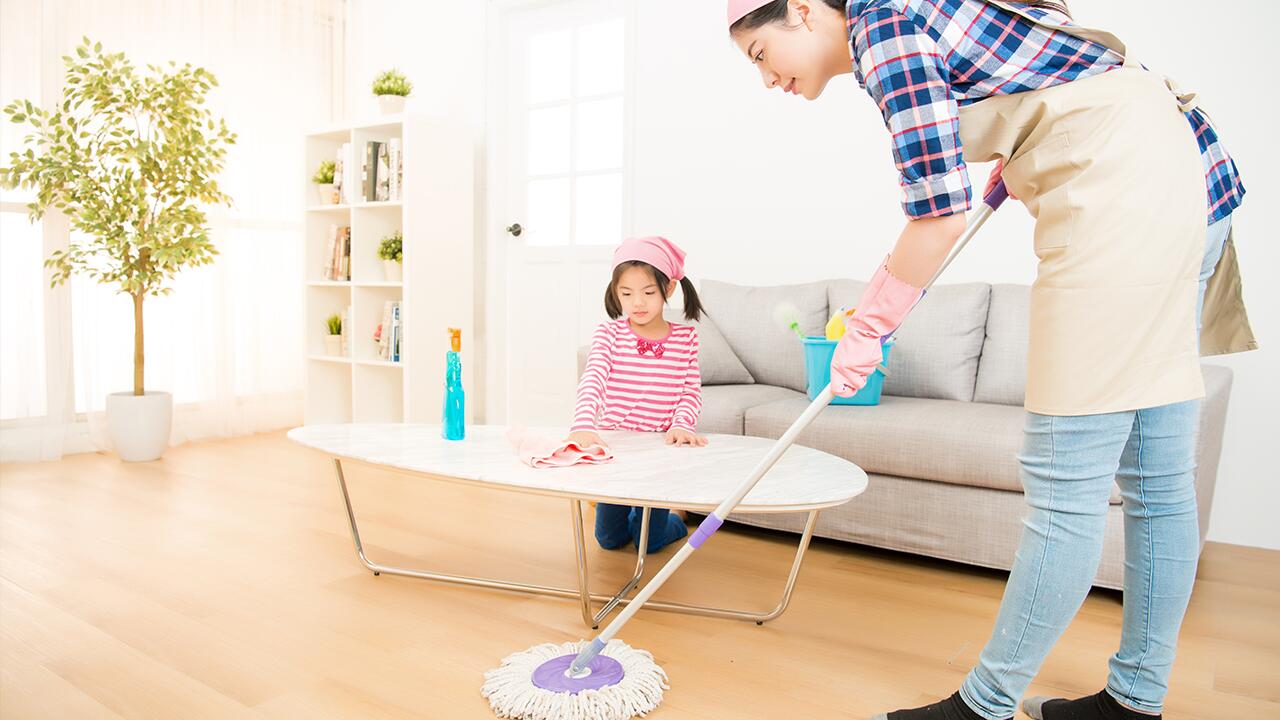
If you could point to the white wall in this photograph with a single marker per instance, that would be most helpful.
(763, 188)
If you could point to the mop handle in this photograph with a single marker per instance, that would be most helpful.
(713, 521)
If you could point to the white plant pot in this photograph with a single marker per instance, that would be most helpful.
(389, 104)
(139, 424)
(325, 193)
(333, 344)
(394, 270)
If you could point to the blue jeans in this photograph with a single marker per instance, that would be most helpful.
(617, 525)
(1068, 464)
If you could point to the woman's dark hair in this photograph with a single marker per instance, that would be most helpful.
(692, 305)
(776, 12)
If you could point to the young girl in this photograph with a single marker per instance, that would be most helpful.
(1132, 192)
(642, 374)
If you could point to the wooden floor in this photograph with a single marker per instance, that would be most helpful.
(221, 582)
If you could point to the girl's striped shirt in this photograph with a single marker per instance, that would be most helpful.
(631, 383)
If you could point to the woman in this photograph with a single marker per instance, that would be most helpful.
(1113, 162)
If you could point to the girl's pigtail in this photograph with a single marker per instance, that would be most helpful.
(692, 304)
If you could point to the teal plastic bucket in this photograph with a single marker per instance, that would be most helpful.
(817, 366)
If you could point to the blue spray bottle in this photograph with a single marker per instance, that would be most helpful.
(454, 398)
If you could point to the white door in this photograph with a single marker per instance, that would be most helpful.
(563, 180)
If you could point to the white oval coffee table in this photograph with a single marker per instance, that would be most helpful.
(646, 472)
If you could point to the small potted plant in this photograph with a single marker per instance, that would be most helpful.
(391, 87)
(333, 341)
(324, 182)
(391, 250)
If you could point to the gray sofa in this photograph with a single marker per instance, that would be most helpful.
(940, 450)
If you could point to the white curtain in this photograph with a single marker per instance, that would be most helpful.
(228, 342)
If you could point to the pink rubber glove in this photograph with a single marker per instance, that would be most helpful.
(883, 307)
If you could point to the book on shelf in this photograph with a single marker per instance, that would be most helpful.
(369, 171)
(384, 331)
(346, 332)
(338, 254)
(389, 332)
(382, 178)
(331, 242)
(337, 173)
(393, 161)
(346, 253)
(396, 330)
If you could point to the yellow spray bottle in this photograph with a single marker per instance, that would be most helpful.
(836, 325)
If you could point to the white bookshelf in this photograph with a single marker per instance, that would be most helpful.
(436, 215)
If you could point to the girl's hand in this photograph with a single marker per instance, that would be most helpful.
(677, 436)
(586, 438)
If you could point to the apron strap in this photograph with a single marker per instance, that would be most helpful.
(1187, 101)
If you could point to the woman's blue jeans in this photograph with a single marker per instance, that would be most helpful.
(618, 525)
(1068, 466)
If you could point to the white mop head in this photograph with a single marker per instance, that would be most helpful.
(512, 694)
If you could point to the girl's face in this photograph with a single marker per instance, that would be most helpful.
(638, 295)
(803, 55)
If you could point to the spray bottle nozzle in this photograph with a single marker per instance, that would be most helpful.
(455, 339)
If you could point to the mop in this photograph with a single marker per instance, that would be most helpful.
(606, 679)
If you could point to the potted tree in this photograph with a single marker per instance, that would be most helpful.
(391, 87)
(392, 253)
(129, 157)
(324, 182)
(333, 341)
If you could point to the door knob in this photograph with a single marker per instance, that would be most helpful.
(515, 229)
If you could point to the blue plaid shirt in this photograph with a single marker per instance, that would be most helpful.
(921, 60)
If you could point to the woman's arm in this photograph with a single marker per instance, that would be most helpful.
(923, 246)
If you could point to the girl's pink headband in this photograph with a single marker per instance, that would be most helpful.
(657, 251)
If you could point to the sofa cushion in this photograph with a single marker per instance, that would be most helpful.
(938, 346)
(1002, 369)
(717, 363)
(745, 315)
(724, 407)
(961, 443)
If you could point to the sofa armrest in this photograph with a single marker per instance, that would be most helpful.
(1213, 421)
(583, 352)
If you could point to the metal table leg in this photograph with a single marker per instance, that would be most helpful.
(582, 592)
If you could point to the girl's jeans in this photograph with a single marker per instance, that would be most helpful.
(617, 525)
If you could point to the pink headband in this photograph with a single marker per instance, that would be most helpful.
(657, 251)
(739, 9)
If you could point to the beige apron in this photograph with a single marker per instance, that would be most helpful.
(1110, 169)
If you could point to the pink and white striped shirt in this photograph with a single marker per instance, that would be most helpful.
(631, 383)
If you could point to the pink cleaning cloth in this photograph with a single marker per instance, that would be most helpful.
(538, 451)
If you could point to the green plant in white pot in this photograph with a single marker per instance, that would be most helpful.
(323, 180)
(391, 250)
(129, 157)
(391, 87)
(333, 340)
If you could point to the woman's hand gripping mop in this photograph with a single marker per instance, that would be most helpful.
(606, 679)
